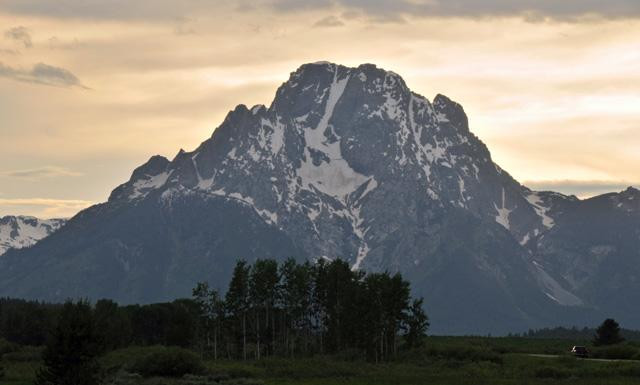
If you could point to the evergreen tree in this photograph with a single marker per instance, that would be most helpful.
(339, 300)
(210, 312)
(296, 297)
(263, 291)
(237, 301)
(417, 324)
(608, 333)
(112, 325)
(70, 357)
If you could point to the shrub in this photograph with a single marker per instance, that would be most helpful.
(169, 362)
(70, 357)
(320, 367)
(629, 370)
(619, 352)
(7, 347)
(26, 354)
(473, 354)
(551, 372)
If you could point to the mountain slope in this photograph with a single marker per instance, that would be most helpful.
(17, 232)
(345, 162)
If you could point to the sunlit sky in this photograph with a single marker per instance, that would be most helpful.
(91, 89)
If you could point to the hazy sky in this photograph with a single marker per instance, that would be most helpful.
(90, 89)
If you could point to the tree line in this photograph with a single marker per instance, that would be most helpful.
(293, 308)
(32, 323)
(283, 309)
(576, 333)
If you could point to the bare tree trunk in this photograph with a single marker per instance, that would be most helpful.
(257, 334)
(395, 343)
(244, 336)
(273, 333)
(215, 342)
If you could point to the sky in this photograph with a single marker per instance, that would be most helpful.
(90, 89)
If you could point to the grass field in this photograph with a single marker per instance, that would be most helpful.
(443, 360)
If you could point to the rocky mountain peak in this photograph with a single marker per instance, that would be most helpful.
(345, 162)
(17, 232)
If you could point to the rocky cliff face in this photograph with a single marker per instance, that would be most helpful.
(349, 163)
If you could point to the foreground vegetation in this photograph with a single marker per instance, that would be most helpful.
(441, 360)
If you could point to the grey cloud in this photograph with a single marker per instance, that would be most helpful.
(41, 172)
(532, 10)
(580, 188)
(20, 34)
(329, 21)
(166, 10)
(42, 73)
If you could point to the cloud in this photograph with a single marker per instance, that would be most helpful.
(329, 21)
(42, 172)
(184, 26)
(530, 10)
(43, 207)
(20, 34)
(42, 73)
(580, 188)
(166, 10)
(4, 51)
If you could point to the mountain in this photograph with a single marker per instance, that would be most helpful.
(17, 232)
(350, 163)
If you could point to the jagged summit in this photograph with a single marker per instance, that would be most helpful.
(330, 143)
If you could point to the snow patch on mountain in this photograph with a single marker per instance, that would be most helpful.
(538, 205)
(553, 289)
(503, 213)
(331, 174)
(270, 217)
(17, 232)
(142, 187)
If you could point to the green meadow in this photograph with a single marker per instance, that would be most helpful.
(441, 360)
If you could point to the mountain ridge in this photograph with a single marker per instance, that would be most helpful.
(345, 162)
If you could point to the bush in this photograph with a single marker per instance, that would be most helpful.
(70, 356)
(320, 367)
(169, 362)
(629, 370)
(26, 354)
(551, 372)
(619, 352)
(7, 347)
(473, 354)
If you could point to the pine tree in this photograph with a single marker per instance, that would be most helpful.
(417, 324)
(296, 300)
(608, 333)
(112, 324)
(210, 314)
(237, 300)
(70, 357)
(263, 291)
